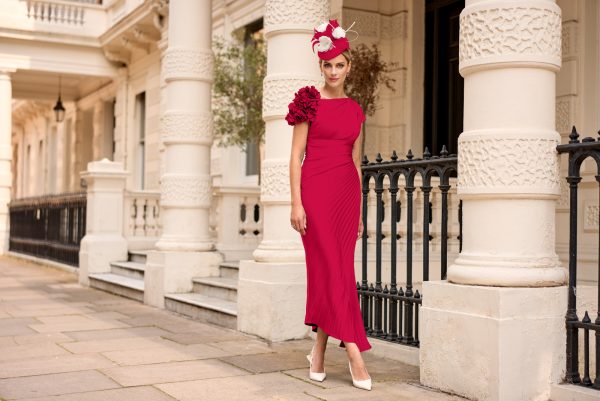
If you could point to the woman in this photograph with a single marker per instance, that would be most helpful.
(326, 203)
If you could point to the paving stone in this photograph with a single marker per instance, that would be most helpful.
(65, 342)
(267, 386)
(161, 354)
(171, 372)
(53, 364)
(30, 351)
(41, 338)
(16, 326)
(130, 332)
(242, 347)
(54, 384)
(145, 393)
(18, 312)
(201, 337)
(268, 362)
(115, 344)
(83, 325)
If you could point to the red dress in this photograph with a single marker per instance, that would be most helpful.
(331, 196)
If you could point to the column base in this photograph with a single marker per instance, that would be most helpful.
(498, 272)
(172, 272)
(96, 252)
(272, 300)
(492, 343)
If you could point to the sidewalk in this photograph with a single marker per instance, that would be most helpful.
(62, 341)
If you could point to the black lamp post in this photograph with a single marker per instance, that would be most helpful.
(59, 110)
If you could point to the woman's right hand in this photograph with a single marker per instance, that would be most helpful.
(298, 219)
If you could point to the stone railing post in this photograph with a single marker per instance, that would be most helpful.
(103, 241)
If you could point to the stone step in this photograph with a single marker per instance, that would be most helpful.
(203, 308)
(116, 284)
(128, 269)
(229, 269)
(138, 255)
(218, 287)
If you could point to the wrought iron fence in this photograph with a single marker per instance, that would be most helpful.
(578, 151)
(392, 313)
(49, 227)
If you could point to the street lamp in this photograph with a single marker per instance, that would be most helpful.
(59, 110)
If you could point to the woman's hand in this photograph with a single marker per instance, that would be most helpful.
(360, 227)
(298, 219)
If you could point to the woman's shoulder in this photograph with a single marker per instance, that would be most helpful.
(304, 105)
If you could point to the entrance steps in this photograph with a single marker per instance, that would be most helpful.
(212, 300)
(126, 278)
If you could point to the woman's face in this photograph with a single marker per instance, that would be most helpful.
(335, 70)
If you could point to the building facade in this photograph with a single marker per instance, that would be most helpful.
(177, 222)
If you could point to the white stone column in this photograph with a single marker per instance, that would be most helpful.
(495, 330)
(272, 286)
(186, 248)
(5, 155)
(103, 241)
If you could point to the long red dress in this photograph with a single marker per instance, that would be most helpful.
(331, 196)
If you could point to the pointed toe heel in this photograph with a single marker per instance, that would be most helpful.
(318, 376)
(364, 384)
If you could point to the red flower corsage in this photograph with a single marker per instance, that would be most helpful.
(304, 106)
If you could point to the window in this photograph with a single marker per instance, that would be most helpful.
(252, 147)
(140, 118)
(443, 111)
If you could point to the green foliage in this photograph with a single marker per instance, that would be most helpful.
(239, 71)
(368, 72)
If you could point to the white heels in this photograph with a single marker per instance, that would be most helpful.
(364, 384)
(318, 376)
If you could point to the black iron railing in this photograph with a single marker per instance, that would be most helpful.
(49, 227)
(578, 151)
(392, 313)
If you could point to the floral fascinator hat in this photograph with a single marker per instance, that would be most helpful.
(329, 39)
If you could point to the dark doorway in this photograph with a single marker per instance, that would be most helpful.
(443, 111)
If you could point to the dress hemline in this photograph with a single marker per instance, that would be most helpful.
(315, 327)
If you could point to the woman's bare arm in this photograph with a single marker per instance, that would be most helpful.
(298, 217)
(356, 148)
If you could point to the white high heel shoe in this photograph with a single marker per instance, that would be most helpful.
(318, 376)
(364, 384)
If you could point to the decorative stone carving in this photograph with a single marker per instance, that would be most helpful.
(563, 201)
(591, 216)
(290, 12)
(185, 190)
(565, 113)
(494, 33)
(394, 26)
(278, 92)
(369, 24)
(569, 39)
(182, 63)
(492, 164)
(275, 180)
(181, 126)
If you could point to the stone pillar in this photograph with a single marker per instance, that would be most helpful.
(499, 320)
(103, 241)
(186, 248)
(5, 155)
(272, 286)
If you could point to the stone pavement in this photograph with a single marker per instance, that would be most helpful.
(60, 341)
